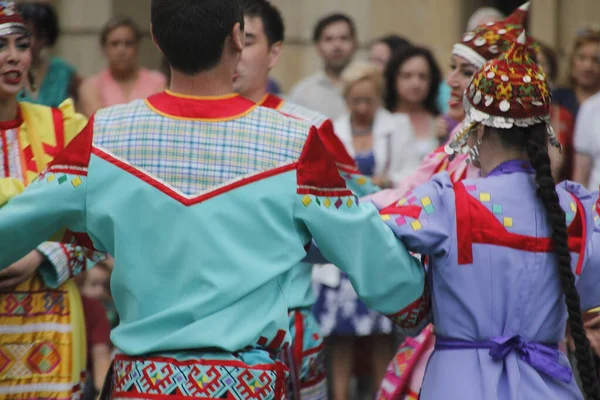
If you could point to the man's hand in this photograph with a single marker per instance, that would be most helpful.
(382, 182)
(20, 271)
(592, 329)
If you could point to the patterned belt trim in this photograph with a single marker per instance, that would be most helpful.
(168, 378)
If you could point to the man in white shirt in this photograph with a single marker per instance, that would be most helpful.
(587, 144)
(335, 39)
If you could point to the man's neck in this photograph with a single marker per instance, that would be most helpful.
(256, 95)
(333, 75)
(214, 82)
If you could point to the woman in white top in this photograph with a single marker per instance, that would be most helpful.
(375, 139)
(373, 136)
(412, 81)
(587, 143)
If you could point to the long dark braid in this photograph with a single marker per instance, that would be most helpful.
(537, 150)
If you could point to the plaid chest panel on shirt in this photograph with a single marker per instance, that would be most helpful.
(298, 111)
(196, 156)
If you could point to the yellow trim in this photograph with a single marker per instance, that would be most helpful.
(164, 114)
(265, 97)
(190, 97)
(594, 310)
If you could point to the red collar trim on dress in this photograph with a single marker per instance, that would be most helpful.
(196, 108)
(271, 101)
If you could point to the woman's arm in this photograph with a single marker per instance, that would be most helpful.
(582, 168)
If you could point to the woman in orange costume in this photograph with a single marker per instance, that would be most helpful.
(42, 336)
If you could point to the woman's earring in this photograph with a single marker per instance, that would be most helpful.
(474, 153)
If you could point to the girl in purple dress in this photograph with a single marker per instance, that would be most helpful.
(505, 251)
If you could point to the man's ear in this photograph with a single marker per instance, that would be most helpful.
(275, 54)
(238, 38)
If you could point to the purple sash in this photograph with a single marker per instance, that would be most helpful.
(542, 357)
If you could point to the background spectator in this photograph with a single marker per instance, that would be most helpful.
(123, 80)
(53, 78)
(335, 39)
(97, 329)
(583, 82)
(372, 135)
(587, 144)
(412, 81)
(483, 16)
(381, 50)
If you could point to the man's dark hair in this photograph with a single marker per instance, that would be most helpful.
(43, 18)
(270, 17)
(331, 19)
(192, 33)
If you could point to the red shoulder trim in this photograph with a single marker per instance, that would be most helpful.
(464, 239)
(411, 211)
(59, 134)
(77, 154)
(476, 224)
(271, 101)
(578, 230)
(336, 148)
(317, 171)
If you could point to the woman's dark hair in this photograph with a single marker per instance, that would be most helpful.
(395, 43)
(43, 18)
(391, 78)
(584, 37)
(118, 22)
(552, 58)
(535, 140)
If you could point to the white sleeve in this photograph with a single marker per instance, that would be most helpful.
(586, 135)
(400, 144)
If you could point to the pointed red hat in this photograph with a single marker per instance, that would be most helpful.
(490, 40)
(508, 91)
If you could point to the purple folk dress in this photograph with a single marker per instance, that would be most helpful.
(498, 308)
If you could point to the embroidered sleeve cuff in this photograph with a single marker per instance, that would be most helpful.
(64, 262)
(55, 270)
(415, 317)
